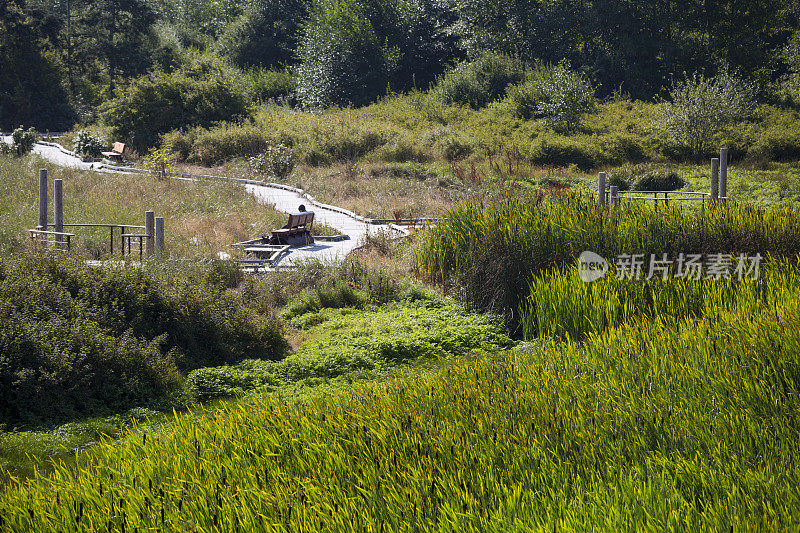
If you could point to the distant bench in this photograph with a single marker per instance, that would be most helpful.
(116, 153)
(296, 232)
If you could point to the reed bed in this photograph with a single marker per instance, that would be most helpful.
(648, 426)
(492, 251)
(561, 304)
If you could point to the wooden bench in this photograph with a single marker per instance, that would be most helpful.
(116, 152)
(296, 232)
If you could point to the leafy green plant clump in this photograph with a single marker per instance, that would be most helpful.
(347, 341)
(478, 82)
(556, 93)
(87, 144)
(77, 341)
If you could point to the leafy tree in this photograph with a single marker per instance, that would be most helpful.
(31, 90)
(700, 107)
(265, 36)
(342, 61)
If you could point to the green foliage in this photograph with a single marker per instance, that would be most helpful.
(649, 425)
(278, 160)
(700, 107)
(23, 141)
(199, 94)
(206, 384)
(77, 341)
(557, 94)
(478, 82)
(342, 61)
(492, 251)
(344, 341)
(87, 144)
(658, 181)
(561, 304)
(266, 35)
(160, 161)
(31, 84)
(277, 86)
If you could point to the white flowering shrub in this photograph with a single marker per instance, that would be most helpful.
(278, 160)
(88, 145)
(556, 93)
(23, 141)
(701, 106)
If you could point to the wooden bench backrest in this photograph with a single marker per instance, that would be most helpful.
(300, 220)
(119, 148)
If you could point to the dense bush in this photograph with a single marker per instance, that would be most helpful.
(23, 141)
(278, 160)
(700, 107)
(78, 341)
(277, 86)
(200, 93)
(478, 82)
(658, 181)
(556, 93)
(87, 144)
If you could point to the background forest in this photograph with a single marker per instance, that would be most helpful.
(203, 61)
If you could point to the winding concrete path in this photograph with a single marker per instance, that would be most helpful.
(283, 198)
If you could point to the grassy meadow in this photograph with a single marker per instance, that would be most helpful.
(201, 218)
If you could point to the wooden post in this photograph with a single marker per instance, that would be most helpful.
(723, 174)
(159, 237)
(601, 188)
(58, 211)
(612, 197)
(42, 199)
(714, 179)
(149, 230)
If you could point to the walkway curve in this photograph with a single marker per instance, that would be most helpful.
(282, 197)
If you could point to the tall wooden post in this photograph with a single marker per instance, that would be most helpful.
(723, 174)
(159, 236)
(612, 197)
(601, 188)
(149, 230)
(42, 199)
(58, 210)
(714, 179)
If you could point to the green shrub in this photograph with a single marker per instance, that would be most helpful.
(478, 82)
(200, 93)
(206, 384)
(79, 341)
(278, 160)
(23, 141)
(227, 141)
(565, 151)
(87, 144)
(273, 85)
(559, 95)
(656, 180)
(701, 107)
